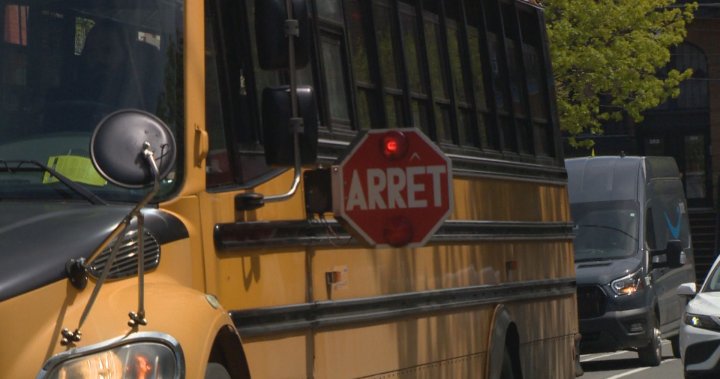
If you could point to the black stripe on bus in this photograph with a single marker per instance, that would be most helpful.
(265, 322)
(280, 234)
(489, 165)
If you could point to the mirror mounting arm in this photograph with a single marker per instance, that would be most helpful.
(296, 123)
(296, 127)
(136, 318)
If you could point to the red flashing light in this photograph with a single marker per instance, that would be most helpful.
(398, 231)
(393, 145)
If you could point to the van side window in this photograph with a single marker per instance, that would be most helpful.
(667, 214)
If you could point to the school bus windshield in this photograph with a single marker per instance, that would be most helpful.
(64, 66)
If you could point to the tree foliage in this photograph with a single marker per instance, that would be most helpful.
(608, 56)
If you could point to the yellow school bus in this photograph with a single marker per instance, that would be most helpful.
(168, 204)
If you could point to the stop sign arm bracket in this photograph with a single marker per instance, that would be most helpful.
(318, 193)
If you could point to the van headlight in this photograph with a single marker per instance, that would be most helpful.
(141, 356)
(629, 284)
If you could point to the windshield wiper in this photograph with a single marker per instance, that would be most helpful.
(609, 227)
(17, 166)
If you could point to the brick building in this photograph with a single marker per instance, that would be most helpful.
(687, 128)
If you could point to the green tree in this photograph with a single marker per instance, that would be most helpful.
(607, 56)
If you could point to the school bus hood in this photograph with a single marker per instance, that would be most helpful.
(38, 239)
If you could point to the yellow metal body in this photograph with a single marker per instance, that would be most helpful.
(33, 321)
(455, 343)
(449, 344)
(175, 302)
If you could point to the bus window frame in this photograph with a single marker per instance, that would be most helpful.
(497, 132)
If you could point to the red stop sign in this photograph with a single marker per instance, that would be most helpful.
(394, 188)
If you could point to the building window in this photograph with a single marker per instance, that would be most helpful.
(694, 91)
(15, 21)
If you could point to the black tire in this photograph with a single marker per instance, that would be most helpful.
(697, 376)
(216, 371)
(675, 343)
(508, 371)
(651, 355)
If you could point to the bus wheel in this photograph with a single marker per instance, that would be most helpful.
(508, 371)
(216, 371)
(651, 354)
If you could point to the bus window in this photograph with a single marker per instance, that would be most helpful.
(437, 71)
(218, 168)
(536, 79)
(335, 79)
(330, 9)
(333, 63)
(389, 64)
(478, 75)
(467, 132)
(232, 96)
(413, 53)
(369, 111)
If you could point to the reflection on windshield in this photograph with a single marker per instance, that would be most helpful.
(605, 230)
(66, 64)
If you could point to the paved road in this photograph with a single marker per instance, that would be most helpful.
(625, 364)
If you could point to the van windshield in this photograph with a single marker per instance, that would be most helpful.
(605, 230)
(65, 65)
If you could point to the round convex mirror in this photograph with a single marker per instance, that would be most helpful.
(117, 146)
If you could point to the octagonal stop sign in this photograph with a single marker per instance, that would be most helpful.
(394, 188)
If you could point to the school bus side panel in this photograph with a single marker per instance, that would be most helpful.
(275, 277)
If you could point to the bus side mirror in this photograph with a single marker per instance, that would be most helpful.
(119, 143)
(271, 36)
(278, 127)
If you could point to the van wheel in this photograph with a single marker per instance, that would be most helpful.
(651, 354)
(216, 371)
(675, 343)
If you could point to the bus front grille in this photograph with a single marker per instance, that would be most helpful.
(126, 261)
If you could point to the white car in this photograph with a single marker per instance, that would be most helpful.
(700, 330)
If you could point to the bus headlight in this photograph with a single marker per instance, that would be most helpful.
(628, 285)
(150, 356)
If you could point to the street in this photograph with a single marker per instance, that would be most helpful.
(625, 364)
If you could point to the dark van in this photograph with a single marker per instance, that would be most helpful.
(632, 250)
